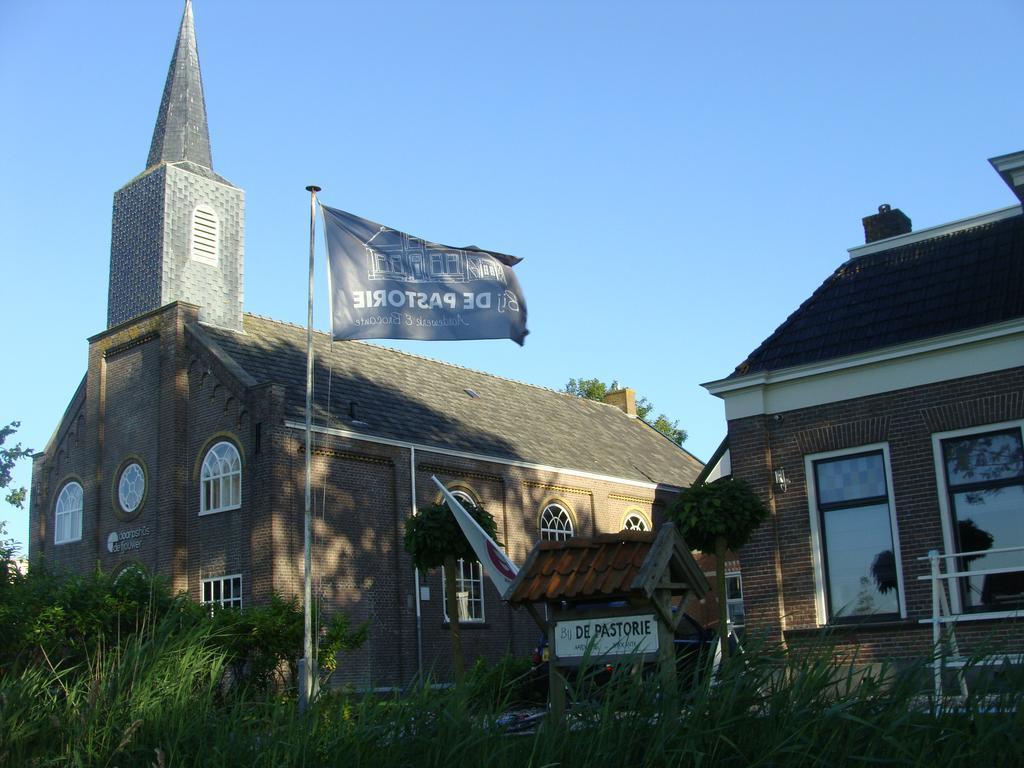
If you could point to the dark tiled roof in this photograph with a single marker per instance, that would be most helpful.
(953, 282)
(386, 393)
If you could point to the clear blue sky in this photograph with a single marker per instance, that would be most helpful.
(678, 176)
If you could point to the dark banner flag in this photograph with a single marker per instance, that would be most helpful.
(386, 284)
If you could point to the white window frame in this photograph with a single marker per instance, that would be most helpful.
(476, 574)
(555, 534)
(946, 514)
(219, 478)
(817, 544)
(74, 526)
(121, 490)
(469, 572)
(235, 601)
(645, 524)
(732, 601)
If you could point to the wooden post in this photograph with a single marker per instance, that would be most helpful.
(458, 665)
(556, 682)
(666, 641)
(723, 607)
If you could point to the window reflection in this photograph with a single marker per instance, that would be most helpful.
(985, 479)
(856, 525)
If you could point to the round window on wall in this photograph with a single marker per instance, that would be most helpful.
(131, 488)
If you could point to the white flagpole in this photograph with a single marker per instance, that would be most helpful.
(306, 683)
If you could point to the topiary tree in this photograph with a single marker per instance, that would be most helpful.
(716, 517)
(434, 538)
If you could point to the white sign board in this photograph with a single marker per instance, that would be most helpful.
(606, 636)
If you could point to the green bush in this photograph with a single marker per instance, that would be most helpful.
(511, 682)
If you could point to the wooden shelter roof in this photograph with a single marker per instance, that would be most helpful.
(628, 564)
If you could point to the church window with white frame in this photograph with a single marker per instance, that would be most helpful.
(469, 581)
(635, 522)
(223, 591)
(204, 236)
(556, 523)
(854, 535)
(67, 522)
(981, 471)
(131, 487)
(220, 480)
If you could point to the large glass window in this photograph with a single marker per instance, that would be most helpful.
(67, 523)
(220, 482)
(855, 536)
(469, 580)
(555, 523)
(984, 475)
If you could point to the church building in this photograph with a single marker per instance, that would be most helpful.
(181, 452)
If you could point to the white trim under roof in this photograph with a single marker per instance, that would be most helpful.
(937, 231)
(1011, 170)
(995, 347)
(480, 457)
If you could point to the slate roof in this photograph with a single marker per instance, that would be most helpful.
(954, 282)
(181, 131)
(385, 393)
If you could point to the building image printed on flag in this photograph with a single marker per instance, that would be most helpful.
(392, 255)
(181, 451)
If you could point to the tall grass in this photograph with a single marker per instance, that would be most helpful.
(162, 700)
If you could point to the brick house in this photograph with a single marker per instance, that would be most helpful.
(884, 419)
(181, 452)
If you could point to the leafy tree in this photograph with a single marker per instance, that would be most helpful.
(8, 458)
(716, 517)
(595, 389)
(15, 497)
(434, 538)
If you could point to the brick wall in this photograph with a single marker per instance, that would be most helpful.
(155, 393)
(778, 576)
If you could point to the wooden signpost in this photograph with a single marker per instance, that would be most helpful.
(608, 598)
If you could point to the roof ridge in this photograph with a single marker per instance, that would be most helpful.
(439, 362)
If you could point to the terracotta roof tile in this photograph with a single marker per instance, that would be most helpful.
(580, 569)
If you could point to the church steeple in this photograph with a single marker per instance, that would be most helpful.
(178, 227)
(181, 131)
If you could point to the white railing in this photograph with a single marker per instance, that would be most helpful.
(947, 654)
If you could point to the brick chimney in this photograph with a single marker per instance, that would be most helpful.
(625, 399)
(888, 222)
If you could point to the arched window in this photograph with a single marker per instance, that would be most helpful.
(635, 522)
(469, 580)
(555, 523)
(220, 482)
(204, 235)
(67, 524)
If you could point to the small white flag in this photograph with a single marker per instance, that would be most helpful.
(498, 566)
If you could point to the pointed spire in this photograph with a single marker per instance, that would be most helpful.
(181, 131)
